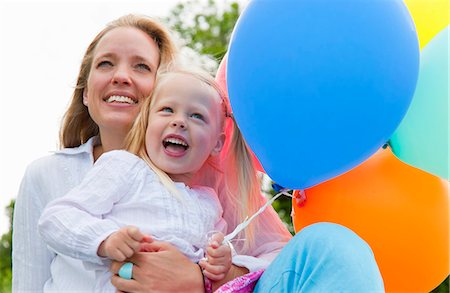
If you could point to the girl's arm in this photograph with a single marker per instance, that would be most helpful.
(73, 224)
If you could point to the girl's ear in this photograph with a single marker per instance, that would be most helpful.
(85, 99)
(219, 145)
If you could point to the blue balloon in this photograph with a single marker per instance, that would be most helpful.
(318, 86)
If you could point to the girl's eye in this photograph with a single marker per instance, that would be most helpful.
(167, 110)
(104, 63)
(197, 116)
(144, 66)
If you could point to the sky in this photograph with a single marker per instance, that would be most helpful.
(41, 47)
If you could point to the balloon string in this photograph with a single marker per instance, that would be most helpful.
(247, 220)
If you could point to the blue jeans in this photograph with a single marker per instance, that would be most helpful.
(323, 257)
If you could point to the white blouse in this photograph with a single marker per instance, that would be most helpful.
(36, 268)
(120, 190)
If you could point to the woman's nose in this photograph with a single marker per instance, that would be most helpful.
(121, 76)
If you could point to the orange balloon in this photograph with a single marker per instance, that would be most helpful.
(400, 211)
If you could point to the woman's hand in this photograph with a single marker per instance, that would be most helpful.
(159, 267)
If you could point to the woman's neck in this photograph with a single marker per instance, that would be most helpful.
(108, 143)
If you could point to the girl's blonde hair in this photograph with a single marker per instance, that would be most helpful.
(77, 125)
(232, 174)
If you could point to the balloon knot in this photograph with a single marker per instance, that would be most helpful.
(300, 197)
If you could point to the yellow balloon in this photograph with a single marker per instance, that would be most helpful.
(430, 17)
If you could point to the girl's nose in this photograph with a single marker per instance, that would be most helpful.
(179, 123)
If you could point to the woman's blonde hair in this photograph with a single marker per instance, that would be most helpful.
(232, 174)
(77, 125)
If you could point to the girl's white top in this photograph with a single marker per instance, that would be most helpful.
(38, 268)
(122, 190)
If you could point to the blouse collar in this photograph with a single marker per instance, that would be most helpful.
(87, 147)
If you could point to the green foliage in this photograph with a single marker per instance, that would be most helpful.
(205, 27)
(443, 287)
(5, 253)
(282, 206)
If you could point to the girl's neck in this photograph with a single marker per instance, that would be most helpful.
(183, 178)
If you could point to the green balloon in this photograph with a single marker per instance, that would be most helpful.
(422, 138)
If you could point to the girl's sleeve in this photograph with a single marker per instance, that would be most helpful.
(271, 234)
(250, 262)
(30, 257)
(73, 225)
(269, 237)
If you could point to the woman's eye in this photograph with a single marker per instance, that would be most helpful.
(144, 66)
(197, 116)
(104, 63)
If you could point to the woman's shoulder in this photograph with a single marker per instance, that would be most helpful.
(51, 161)
(68, 162)
(53, 175)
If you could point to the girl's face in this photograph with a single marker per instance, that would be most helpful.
(184, 126)
(122, 75)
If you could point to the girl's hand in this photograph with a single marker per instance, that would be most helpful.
(122, 244)
(218, 259)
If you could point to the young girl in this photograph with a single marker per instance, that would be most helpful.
(179, 131)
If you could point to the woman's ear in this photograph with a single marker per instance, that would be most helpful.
(85, 99)
(219, 145)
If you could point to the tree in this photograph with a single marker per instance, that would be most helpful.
(210, 30)
(5, 253)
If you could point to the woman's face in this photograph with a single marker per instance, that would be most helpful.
(122, 76)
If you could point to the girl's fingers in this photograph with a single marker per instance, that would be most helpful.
(216, 239)
(222, 250)
(134, 233)
(214, 277)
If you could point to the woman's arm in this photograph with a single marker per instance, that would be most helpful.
(161, 267)
(30, 257)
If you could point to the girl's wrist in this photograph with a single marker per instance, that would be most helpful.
(101, 249)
